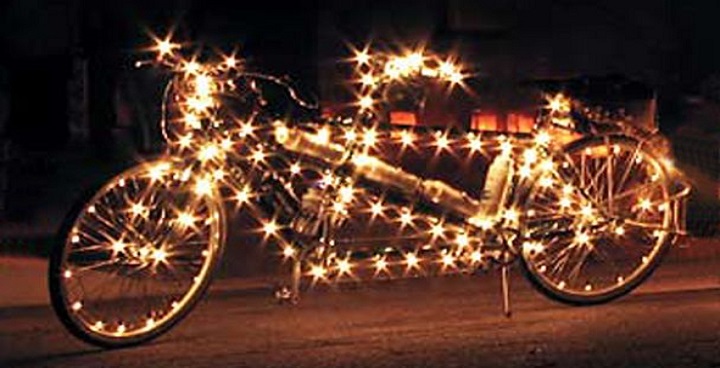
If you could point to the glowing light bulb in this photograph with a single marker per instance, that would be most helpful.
(117, 246)
(511, 215)
(620, 231)
(208, 152)
(243, 195)
(429, 72)
(231, 62)
(558, 103)
(339, 207)
(362, 57)
(328, 178)
(346, 194)
(582, 238)
(137, 209)
(476, 256)
(270, 228)
(545, 182)
(204, 85)
(475, 143)
(406, 138)
(247, 129)
(192, 121)
(415, 60)
(506, 148)
(406, 217)
(258, 155)
(76, 306)
(442, 141)
(317, 271)
(525, 171)
(370, 138)
(67, 274)
(282, 133)
(344, 266)
(448, 259)
(366, 102)
(455, 77)
(165, 47)
(362, 160)
(185, 140)
(159, 255)
(368, 80)
(376, 208)
(437, 230)
(547, 165)
(530, 155)
(543, 138)
(203, 186)
(192, 67)
(587, 211)
(322, 136)
(380, 264)
(350, 135)
(462, 240)
(446, 69)
(411, 260)
(199, 104)
(644, 204)
(289, 251)
(482, 222)
(226, 144)
(186, 219)
(533, 247)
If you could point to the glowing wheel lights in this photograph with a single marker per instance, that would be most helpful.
(114, 282)
(597, 231)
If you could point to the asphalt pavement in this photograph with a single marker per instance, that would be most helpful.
(673, 320)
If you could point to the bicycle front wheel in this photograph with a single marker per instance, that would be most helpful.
(134, 259)
(599, 224)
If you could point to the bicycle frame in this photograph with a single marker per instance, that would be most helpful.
(341, 153)
(351, 197)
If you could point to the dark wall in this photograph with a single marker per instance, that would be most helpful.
(671, 45)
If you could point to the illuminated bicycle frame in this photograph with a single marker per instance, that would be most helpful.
(589, 219)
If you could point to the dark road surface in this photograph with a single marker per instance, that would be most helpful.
(442, 322)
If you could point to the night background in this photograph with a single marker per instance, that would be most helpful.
(74, 111)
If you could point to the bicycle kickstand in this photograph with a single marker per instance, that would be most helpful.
(295, 280)
(505, 286)
(291, 293)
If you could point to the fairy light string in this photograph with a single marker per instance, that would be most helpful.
(198, 127)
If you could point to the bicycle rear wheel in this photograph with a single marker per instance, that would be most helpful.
(134, 259)
(599, 224)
